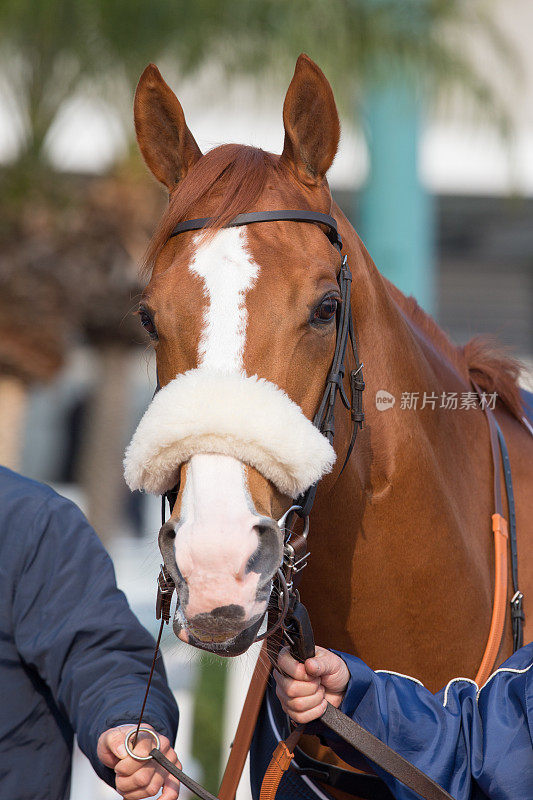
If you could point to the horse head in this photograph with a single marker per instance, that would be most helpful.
(243, 322)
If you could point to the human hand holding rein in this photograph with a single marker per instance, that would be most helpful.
(136, 780)
(304, 690)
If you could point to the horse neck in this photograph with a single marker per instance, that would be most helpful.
(387, 531)
(408, 357)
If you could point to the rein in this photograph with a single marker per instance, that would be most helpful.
(292, 621)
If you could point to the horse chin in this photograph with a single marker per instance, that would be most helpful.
(234, 646)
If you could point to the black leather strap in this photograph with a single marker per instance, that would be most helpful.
(517, 613)
(324, 418)
(355, 735)
(267, 216)
(198, 790)
(382, 755)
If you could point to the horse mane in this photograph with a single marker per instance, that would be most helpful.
(494, 369)
(233, 174)
(482, 359)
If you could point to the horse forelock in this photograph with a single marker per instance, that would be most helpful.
(232, 176)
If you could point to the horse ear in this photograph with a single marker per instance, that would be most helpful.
(166, 143)
(311, 123)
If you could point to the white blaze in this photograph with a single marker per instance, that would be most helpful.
(217, 535)
(228, 272)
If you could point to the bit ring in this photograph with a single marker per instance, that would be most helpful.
(130, 752)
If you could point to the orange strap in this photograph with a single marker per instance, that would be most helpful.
(501, 537)
(499, 608)
(245, 729)
(278, 766)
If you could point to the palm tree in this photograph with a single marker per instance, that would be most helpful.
(52, 50)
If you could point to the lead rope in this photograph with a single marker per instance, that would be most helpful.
(156, 653)
(165, 589)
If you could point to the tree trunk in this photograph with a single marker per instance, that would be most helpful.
(103, 443)
(13, 401)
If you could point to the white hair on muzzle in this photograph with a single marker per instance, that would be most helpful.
(249, 418)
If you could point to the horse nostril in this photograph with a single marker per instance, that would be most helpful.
(267, 556)
(254, 562)
(262, 528)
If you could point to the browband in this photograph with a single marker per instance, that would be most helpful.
(267, 216)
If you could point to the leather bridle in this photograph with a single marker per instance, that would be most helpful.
(324, 418)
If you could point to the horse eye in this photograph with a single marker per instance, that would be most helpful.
(326, 310)
(147, 323)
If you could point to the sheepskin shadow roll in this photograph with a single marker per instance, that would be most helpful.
(249, 418)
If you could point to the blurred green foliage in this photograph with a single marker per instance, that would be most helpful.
(209, 719)
(53, 50)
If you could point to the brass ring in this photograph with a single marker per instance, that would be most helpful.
(130, 752)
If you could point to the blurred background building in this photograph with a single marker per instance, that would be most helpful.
(435, 170)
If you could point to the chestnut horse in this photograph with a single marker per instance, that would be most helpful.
(243, 323)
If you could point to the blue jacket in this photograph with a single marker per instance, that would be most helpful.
(73, 657)
(476, 743)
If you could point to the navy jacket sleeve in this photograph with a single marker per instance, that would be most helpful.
(75, 628)
(474, 743)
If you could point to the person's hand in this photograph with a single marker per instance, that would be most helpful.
(136, 780)
(305, 689)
